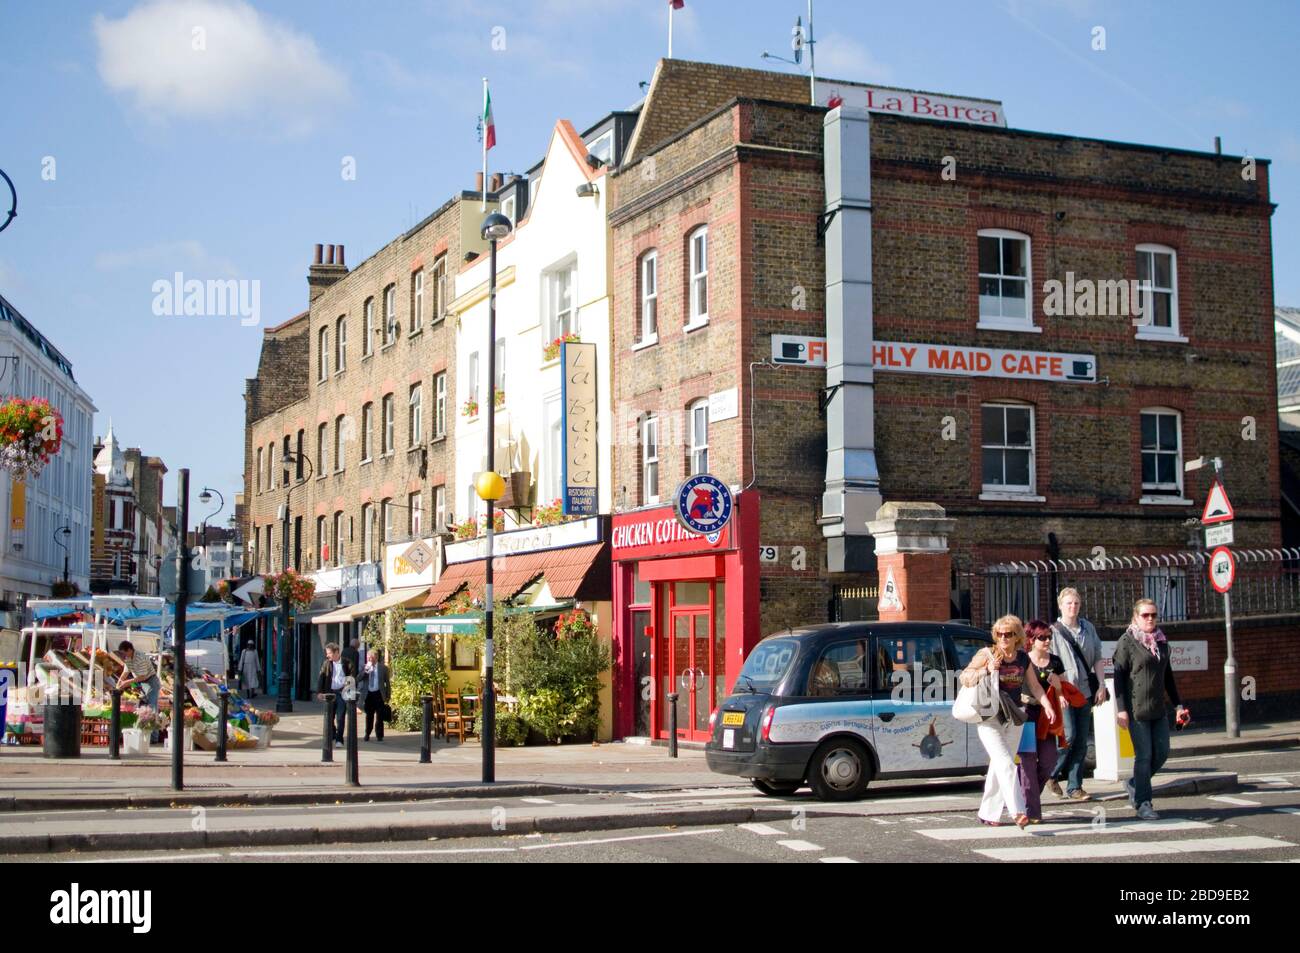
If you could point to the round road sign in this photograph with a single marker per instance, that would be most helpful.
(1223, 569)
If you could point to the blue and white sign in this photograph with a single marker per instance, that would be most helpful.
(703, 504)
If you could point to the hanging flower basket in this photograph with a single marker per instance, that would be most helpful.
(31, 431)
(469, 408)
(298, 589)
(575, 624)
(552, 351)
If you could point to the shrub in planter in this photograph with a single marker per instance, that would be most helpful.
(408, 717)
(511, 729)
(558, 683)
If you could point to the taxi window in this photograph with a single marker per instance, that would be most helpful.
(902, 655)
(842, 669)
(766, 665)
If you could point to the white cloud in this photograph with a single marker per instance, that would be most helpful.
(841, 57)
(169, 256)
(216, 59)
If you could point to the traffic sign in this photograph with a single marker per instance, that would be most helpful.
(1217, 507)
(1220, 535)
(1223, 569)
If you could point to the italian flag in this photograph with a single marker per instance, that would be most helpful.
(489, 124)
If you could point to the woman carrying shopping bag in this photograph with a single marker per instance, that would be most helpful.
(1007, 663)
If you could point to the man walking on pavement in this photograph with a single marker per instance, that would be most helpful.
(333, 673)
(1077, 644)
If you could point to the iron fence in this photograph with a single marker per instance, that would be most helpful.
(1267, 583)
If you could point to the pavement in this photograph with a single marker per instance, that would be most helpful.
(283, 795)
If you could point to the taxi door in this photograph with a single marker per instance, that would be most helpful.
(913, 726)
(964, 649)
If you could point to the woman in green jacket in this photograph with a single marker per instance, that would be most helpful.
(1142, 677)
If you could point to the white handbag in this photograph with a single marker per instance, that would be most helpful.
(978, 703)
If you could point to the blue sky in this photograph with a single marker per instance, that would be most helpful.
(226, 162)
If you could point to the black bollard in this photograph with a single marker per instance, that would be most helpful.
(327, 735)
(222, 724)
(672, 724)
(352, 774)
(115, 725)
(426, 747)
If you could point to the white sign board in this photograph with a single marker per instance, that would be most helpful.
(405, 563)
(1011, 363)
(910, 102)
(527, 540)
(769, 554)
(724, 405)
(798, 350)
(1220, 535)
(1217, 508)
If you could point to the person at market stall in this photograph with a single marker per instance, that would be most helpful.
(141, 671)
(375, 680)
(250, 667)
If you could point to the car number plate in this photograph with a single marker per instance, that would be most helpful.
(729, 737)
(733, 717)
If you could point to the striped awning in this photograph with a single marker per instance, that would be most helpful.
(576, 572)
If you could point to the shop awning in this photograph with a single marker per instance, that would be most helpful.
(576, 572)
(411, 596)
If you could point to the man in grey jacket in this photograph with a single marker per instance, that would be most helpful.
(1075, 642)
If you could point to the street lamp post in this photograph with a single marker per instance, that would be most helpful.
(64, 531)
(490, 489)
(284, 700)
(205, 498)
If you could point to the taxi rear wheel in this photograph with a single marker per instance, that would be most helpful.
(840, 770)
(776, 788)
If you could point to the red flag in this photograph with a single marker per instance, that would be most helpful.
(676, 4)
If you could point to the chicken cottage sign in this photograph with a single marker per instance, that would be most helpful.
(911, 102)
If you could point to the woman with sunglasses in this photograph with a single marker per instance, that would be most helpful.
(1007, 658)
(1143, 676)
(1038, 749)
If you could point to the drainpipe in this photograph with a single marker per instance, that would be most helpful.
(852, 493)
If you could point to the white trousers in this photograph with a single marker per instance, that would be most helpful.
(1001, 786)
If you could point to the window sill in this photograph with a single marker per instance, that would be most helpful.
(367, 460)
(999, 496)
(338, 374)
(648, 342)
(387, 346)
(1163, 338)
(989, 324)
(1165, 501)
(366, 357)
(416, 333)
(321, 476)
(696, 324)
(553, 362)
(438, 439)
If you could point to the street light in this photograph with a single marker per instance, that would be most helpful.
(495, 227)
(64, 531)
(205, 498)
(284, 701)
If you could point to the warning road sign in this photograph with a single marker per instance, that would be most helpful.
(1217, 507)
(1223, 569)
(889, 593)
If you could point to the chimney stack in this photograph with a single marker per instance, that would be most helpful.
(325, 270)
(318, 254)
(329, 255)
(495, 185)
(478, 181)
(340, 260)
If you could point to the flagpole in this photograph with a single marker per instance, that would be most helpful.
(812, 58)
(483, 205)
(670, 30)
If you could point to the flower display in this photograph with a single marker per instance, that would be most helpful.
(549, 514)
(469, 408)
(31, 431)
(146, 719)
(267, 718)
(574, 624)
(473, 528)
(552, 350)
(291, 585)
(191, 715)
(499, 396)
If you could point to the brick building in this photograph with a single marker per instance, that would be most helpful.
(860, 305)
(128, 537)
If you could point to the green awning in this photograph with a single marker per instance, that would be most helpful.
(445, 625)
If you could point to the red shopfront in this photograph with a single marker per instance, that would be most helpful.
(685, 617)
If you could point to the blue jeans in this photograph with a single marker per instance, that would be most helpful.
(1069, 763)
(151, 689)
(1150, 749)
(340, 716)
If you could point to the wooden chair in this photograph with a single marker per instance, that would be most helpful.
(453, 720)
(468, 712)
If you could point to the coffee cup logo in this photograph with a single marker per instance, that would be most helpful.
(1081, 370)
(792, 350)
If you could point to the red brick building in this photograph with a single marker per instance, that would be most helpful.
(834, 309)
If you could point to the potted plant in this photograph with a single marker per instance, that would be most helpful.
(31, 431)
(551, 351)
(135, 740)
(469, 408)
(499, 396)
(549, 514)
(298, 589)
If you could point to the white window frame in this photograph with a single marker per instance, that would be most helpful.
(341, 345)
(559, 319)
(368, 341)
(647, 328)
(336, 551)
(340, 452)
(390, 315)
(323, 355)
(1156, 493)
(1002, 491)
(386, 407)
(415, 514)
(415, 416)
(417, 300)
(386, 514)
(439, 509)
(367, 431)
(552, 484)
(1150, 332)
(649, 439)
(270, 466)
(439, 309)
(508, 208)
(698, 273)
(1000, 322)
(698, 451)
(472, 380)
(322, 448)
(367, 532)
(596, 144)
(500, 367)
(440, 405)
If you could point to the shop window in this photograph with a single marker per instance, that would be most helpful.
(640, 587)
(690, 593)
(1004, 280)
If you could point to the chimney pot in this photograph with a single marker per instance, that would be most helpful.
(318, 253)
(478, 181)
(329, 255)
(341, 255)
(496, 182)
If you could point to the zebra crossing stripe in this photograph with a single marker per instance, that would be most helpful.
(1057, 830)
(764, 830)
(1238, 801)
(1200, 845)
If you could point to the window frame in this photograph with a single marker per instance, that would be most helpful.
(390, 315)
(1001, 322)
(322, 458)
(415, 416)
(340, 452)
(336, 551)
(1152, 331)
(415, 514)
(259, 469)
(323, 355)
(649, 422)
(1156, 492)
(417, 301)
(439, 288)
(647, 330)
(368, 321)
(367, 430)
(387, 433)
(340, 345)
(693, 447)
(367, 532)
(1002, 491)
(695, 275)
(550, 298)
(440, 508)
(439, 405)
(471, 379)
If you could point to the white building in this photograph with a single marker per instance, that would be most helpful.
(31, 544)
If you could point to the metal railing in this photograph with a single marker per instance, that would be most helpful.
(1267, 583)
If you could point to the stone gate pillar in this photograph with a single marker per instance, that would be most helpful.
(913, 561)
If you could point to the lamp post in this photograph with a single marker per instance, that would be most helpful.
(490, 488)
(205, 498)
(65, 532)
(284, 701)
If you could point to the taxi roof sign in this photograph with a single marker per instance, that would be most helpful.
(1217, 507)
